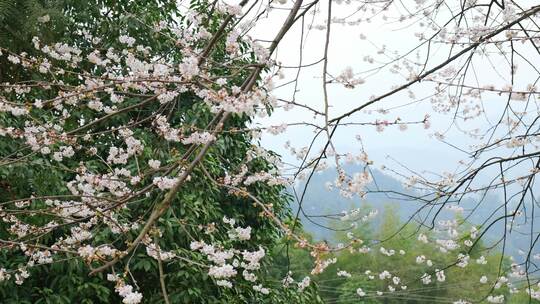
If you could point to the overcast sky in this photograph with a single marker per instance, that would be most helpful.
(416, 148)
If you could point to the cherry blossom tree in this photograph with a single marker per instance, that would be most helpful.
(130, 152)
(449, 74)
(121, 129)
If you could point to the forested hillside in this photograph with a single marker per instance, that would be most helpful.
(325, 207)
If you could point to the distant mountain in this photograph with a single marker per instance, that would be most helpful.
(324, 207)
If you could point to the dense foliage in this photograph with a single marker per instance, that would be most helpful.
(60, 48)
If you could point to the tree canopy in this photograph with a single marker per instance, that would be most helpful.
(132, 167)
